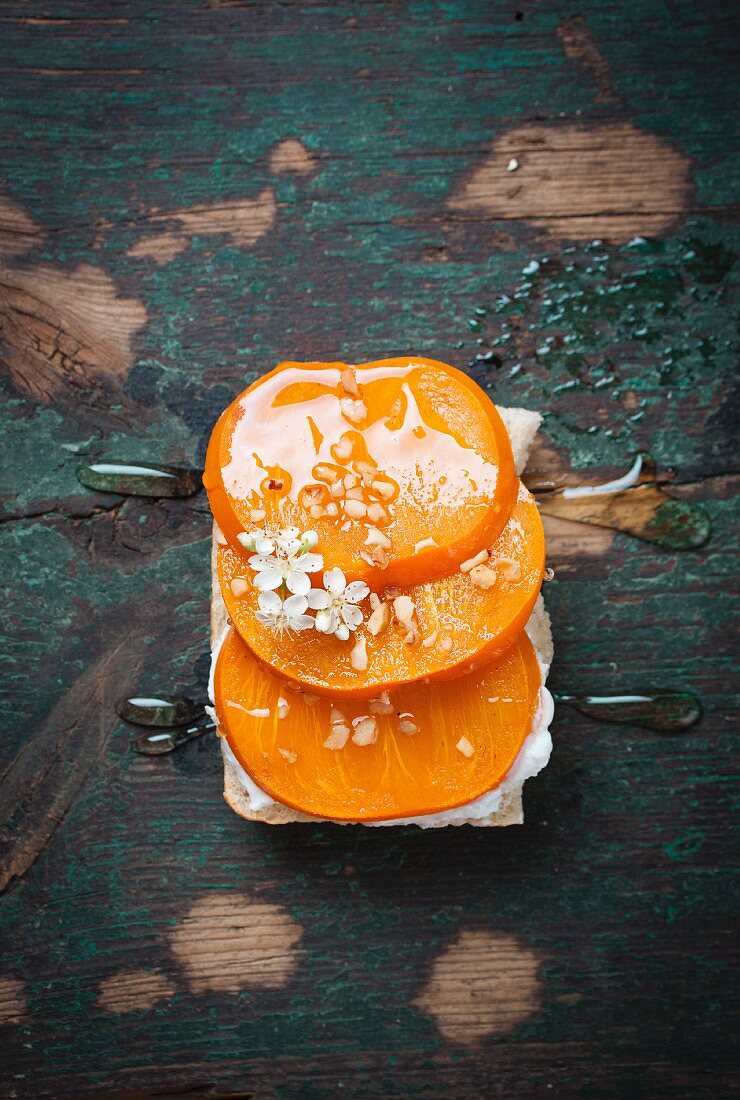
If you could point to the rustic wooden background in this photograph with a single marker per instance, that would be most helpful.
(191, 191)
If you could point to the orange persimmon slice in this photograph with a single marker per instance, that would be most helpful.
(394, 774)
(403, 467)
(460, 624)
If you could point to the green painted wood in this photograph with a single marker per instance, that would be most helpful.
(117, 124)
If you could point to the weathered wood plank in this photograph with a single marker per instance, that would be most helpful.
(190, 192)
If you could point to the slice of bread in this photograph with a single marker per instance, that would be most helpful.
(522, 425)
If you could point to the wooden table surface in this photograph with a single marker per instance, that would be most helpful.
(191, 191)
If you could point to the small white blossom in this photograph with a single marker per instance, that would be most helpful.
(336, 609)
(285, 559)
(282, 615)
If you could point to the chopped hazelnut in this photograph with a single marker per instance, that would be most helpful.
(377, 538)
(349, 381)
(239, 585)
(403, 607)
(429, 640)
(379, 619)
(343, 449)
(511, 569)
(407, 726)
(465, 747)
(471, 563)
(381, 705)
(353, 409)
(324, 472)
(366, 731)
(289, 755)
(355, 509)
(483, 576)
(384, 489)
(366, 471)
(377, 513)
(358, 655)
(338, 738)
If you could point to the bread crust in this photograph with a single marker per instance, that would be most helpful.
(522, 425)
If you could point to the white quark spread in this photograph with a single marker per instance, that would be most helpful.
(533, 756)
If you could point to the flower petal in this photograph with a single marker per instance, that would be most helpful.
(351, 615)
(335, 581)
(258, 561)
(295, 605)
(311, 563)
(356, 591)
(270, 603)
(268, 578)
(317, 599)
(301, 622)
(264, 545)
(290, 533)
(289, 547)
(298, 582)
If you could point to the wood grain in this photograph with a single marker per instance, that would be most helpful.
(192, 192)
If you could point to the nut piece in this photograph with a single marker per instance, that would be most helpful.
(358, 655)
(471, 563)
(221, 537)
(366, 731)
(377, 513)
(483, 576)
(355, 509)
(429, 640)
(465, 747)
(324, 472)
(257, 515)
(343, 449)
(349, 381)
(407, 726)
(403, 607)
(338, 738)
(377, 538)
(379, 619)
(377, 556)
(289, 755)
(384, 489)
(381, 705)
(239, 586)
(353, 409)
(283, 707)
(511, 569)
(367, 471)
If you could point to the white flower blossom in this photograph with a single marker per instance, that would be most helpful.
(336, 608)
(282, 615)
(285, 559)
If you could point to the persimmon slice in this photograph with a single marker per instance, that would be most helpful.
(398, 774)
(403, 467)
(460, 624)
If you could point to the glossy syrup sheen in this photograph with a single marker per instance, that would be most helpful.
(401, 774)
(463, 625)
(437, 441)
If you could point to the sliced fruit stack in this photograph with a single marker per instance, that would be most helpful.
(379, 560)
